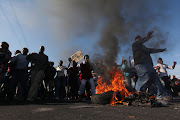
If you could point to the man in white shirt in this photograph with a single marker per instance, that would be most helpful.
(162, 69)
(60, 81)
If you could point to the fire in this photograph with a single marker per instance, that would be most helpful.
(116, 84)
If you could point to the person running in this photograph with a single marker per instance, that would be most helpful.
(162, 68)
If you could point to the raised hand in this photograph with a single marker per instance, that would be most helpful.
(150, 35)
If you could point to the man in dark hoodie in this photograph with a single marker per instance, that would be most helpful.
(38, 63)
(147, 76)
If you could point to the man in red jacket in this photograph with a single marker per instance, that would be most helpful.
(86, 71)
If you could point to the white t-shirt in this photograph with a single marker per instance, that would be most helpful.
(162, 69)
(60, 70)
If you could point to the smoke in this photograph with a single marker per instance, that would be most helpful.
(116, 21)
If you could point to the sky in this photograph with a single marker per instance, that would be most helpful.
(64, 29)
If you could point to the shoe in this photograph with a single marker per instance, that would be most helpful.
(57, 98)
(160, 103)
(167, 98)
(30, 102)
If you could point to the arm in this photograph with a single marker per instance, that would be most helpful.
(172, 67)
(145, 39)
(151, 50)
(122, 60)
(130, 61)
(157, 67)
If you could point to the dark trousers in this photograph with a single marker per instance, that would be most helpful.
(20, 76)
(60, 87)
(167, 84)
(74, 86)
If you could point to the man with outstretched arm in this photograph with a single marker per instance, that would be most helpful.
(147, 76)
(162, 68)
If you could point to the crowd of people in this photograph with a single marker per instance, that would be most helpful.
(30, 76)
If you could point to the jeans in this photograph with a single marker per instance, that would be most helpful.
(148, 78)
(83, 84)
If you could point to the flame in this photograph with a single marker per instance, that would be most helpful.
(116, 84)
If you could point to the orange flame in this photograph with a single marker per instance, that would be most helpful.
(116, 84)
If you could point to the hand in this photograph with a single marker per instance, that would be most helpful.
(122, 58)
(175, 63)
(150, 35)
(164, 49)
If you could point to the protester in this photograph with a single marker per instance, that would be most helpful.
(38, 63)
(19, 73)
(86, 69)
(175, 86)
(125, 69)
(5, 56)
(49, 72)
(147, 76)
(73, 73)
(60, 81)
(133, 73)
(161, 67)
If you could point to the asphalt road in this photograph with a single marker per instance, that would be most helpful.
(74, 110)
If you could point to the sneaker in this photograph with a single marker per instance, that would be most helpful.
(167, 98)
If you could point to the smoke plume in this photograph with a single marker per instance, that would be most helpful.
(116, 21)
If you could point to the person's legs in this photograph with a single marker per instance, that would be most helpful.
(23, 78)
(11, 86)
(167, 84)
(82, 86)
(143, 76)
(38, 77)
(91, 81)
(160, 88)
(57, 88)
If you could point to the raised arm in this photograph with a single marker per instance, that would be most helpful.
(145, 39)
(172, 67)
(122, 60)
